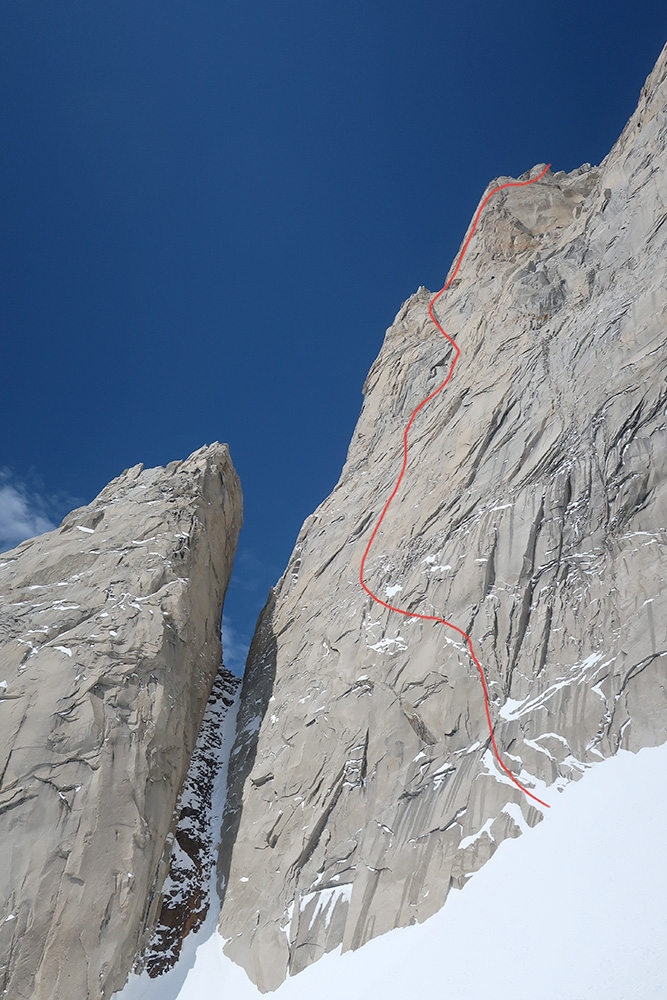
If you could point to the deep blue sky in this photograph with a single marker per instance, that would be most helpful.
(211, 210)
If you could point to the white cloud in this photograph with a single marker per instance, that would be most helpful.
(21, 514)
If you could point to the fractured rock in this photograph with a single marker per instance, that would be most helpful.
(185, 897)
(109, 646)
(533, 515)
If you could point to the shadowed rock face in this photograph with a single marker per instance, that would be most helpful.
(185, 897)
(109, 646)
(533, 515)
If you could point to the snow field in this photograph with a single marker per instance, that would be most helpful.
(575, 909)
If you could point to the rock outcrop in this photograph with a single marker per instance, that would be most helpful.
(186, 892)
(109, 647)
(533, 515)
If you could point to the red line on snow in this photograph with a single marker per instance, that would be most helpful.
(457, 353)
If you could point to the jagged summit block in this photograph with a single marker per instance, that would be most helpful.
(532, 514)
(109, 645)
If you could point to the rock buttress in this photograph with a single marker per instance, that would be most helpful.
(532, 514)
(109, 646)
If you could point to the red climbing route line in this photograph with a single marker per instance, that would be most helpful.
(457, 353)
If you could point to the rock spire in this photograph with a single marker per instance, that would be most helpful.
(109, 646)
(533, 513)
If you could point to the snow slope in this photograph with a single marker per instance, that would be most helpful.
(576, 909)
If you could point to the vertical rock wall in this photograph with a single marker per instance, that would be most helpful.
(533, 514)
(109, 646)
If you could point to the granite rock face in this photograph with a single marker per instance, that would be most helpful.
(533, 514)
(109, 646)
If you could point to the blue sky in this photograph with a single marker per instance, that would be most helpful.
(211, 211)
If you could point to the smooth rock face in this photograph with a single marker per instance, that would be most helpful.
(109, 646)
(533, 515)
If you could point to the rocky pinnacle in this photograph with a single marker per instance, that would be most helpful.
(533, 514)
(109, 646)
